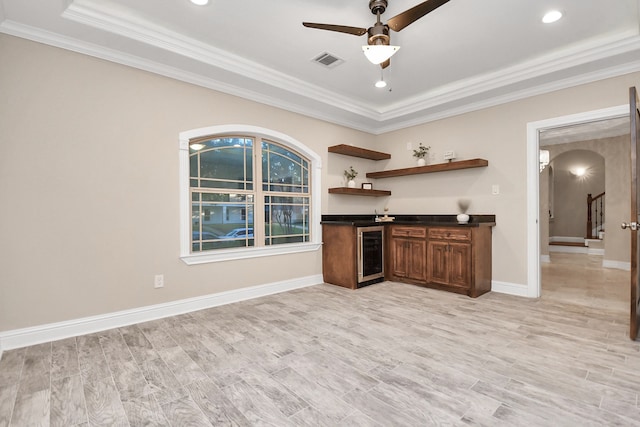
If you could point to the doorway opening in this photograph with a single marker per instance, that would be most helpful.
(534, 130)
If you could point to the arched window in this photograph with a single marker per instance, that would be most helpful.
(246, 192)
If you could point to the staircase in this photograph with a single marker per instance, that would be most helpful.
(577, 245)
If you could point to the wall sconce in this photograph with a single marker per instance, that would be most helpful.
(544, 159)
(579, 171)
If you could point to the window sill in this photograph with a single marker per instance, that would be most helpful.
(248, 253)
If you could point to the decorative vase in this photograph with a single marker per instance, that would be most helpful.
(351, 184)
(422, 161)
(462, 218)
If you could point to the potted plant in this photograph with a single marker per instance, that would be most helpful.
(463, 206)
(420, 153)
(350, 174)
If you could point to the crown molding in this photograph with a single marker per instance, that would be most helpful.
(123, 23)
(334, 115)
(516, 96)
(277, 89)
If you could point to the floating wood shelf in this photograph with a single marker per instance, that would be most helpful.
(359, 192)
(350, 150)
(440, 167)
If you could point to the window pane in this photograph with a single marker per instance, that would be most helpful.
(282, 170)
(223, 163)
(221, 220)
(286, 219)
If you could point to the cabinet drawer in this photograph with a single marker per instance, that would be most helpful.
(451, 233)
(409, 232)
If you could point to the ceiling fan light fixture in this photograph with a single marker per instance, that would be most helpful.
(377, 54)
(381, 83)
(200, 2)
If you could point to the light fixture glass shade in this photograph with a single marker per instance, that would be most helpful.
(381, 83)
(379, 53)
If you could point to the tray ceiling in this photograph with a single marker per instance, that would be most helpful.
(464, 56)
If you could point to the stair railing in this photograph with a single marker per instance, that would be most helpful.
(596, 202)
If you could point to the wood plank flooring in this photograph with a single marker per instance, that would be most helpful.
(386, 355)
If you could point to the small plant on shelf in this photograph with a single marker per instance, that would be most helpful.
(421, 152)
(350, 173)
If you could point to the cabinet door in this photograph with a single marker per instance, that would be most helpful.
(460, 265)
(438, 268)
(417, 259)
(398, 257)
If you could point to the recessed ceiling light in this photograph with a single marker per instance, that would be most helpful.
(200, 2)
(551, 16)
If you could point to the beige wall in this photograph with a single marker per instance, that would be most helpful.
(497, 134)
(570, 192)
(89, 185)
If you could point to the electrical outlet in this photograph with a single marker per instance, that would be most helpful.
(449, 155)
(158, 281)
(495, 189)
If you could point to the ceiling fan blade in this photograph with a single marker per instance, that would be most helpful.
(385, 64)
(409, 16)
(356, 31)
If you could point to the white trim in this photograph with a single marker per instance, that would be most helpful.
(123, 23)
(509, 288)
(595, 251)
(259, 251)
(533, 192)
(620, 265)
(546, 259)
(55, 331)
(321, 104)
(247, 253)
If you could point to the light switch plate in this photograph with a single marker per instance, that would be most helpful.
(495, 189)
(449, 155)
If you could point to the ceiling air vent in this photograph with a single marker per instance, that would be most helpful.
(327, 60)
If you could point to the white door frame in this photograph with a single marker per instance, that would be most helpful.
(533, 176)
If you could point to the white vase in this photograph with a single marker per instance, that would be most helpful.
(422, 161)
(462, 218)
(351, 184)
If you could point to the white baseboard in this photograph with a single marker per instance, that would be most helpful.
(594, 251)
(620, 265)
(545, 258)
(56, 331)
(510, 288)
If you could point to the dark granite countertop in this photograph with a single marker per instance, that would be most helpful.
(431, 220)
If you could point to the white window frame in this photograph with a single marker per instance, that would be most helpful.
(255, 251)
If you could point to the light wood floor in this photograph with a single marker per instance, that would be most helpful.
(389, 354)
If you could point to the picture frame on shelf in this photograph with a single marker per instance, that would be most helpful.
(367, 186)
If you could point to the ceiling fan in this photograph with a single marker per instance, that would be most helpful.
(378, 38)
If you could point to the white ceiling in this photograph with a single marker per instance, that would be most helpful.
(465, 55)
